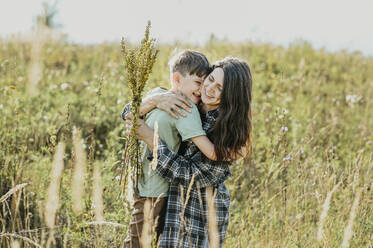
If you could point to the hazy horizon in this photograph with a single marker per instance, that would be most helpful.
(333, 25)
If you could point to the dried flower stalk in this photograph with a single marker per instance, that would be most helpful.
(138, 64)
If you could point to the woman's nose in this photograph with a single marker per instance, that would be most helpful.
(209, 88)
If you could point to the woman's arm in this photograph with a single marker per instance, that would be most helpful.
(169, 101)
(173, 166)
(202, 142)
(205, 146)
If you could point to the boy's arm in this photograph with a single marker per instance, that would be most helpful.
(205, 146)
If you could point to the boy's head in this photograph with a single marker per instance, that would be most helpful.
(188, 69)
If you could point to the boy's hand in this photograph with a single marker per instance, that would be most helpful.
(143, 132)
(172, 103)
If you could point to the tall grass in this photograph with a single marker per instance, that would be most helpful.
(312, 121)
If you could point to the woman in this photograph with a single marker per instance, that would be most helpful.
(226, 118)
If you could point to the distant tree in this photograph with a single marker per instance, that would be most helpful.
(48, 15)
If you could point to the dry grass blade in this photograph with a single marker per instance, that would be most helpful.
(51, 204)
(324, 212)
(213, 231)
(12, 191)
(147, 229)
(79, 172)
(348, 230)
(15, 244)
(97, 194)
(20, 237)
(105, 223)
(155, 148)
(35, 71)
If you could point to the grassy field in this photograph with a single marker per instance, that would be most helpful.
(308, 184)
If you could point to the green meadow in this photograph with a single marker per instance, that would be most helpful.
(308, 182)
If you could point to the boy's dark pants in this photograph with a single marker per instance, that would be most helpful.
(137, 219)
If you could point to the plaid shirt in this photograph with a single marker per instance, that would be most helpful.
(186, 224)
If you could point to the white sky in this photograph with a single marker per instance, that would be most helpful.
(333, 24)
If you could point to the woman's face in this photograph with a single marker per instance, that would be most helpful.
(211, 89)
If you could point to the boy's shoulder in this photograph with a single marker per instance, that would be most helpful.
(189, 115)
(157, 90)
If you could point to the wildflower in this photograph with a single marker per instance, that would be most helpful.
(53, 86)
(298, 216)
(119, 101)
(301, 152)
(288, 158)
(284, 129)
(285, 111)
(20, 79)
(121, 78)
(117, 178)
(64, 86)
(280, 117)
(1, 106)
(353, 99)
(317, 194)
(369, 142)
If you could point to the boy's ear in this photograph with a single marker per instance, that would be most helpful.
(176, 78)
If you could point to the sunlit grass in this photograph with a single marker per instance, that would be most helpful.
(312, 130)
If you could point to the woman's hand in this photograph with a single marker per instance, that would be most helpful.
(172, 103)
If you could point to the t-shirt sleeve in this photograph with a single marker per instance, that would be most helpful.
(189, 126)
(155, 91)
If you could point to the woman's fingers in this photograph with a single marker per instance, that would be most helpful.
(170, 112)
(183, 99)
(182, 105)
(178, 110)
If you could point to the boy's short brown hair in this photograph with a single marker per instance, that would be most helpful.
(191, 62)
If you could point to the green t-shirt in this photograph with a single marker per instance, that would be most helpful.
(172, 131)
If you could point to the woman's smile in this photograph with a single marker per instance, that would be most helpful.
(211, 89)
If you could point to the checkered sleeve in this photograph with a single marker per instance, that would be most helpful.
(174, 167)
(126, 110)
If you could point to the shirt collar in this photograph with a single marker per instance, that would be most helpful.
(213, 113)
(210, 114)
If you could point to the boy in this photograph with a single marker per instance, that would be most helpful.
(188, 70)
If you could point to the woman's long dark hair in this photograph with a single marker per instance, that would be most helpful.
(232, 131)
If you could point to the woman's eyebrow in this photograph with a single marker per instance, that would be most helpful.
(212, 78)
